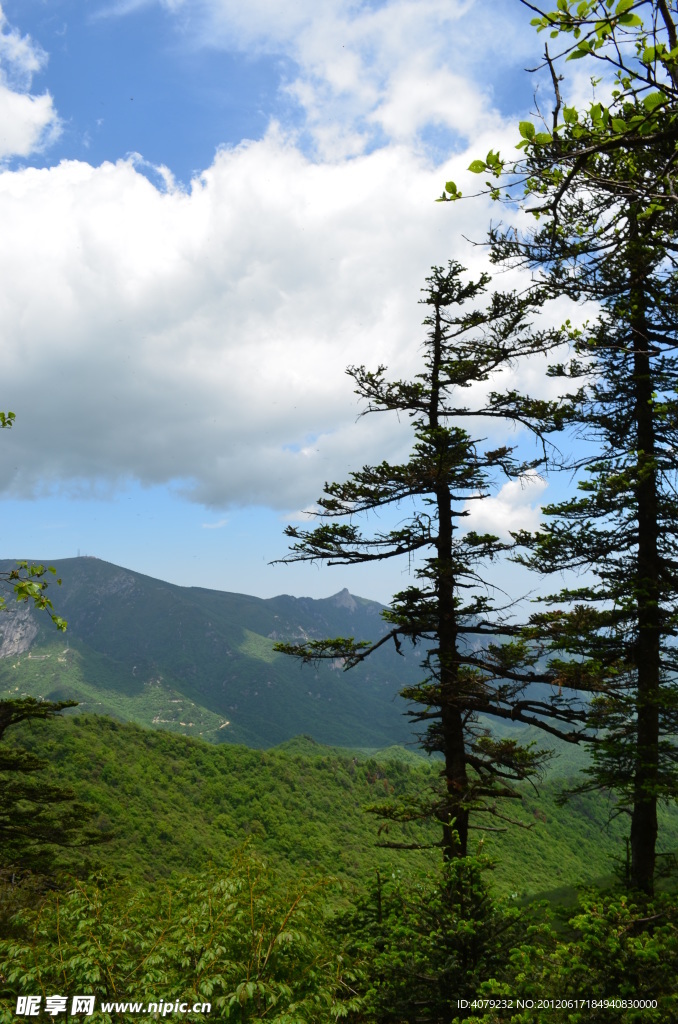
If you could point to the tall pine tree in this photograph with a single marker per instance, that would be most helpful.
(475, 664)
(617, 630)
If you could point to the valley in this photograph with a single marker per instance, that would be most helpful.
(168, 804)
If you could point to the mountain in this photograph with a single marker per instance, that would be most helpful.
(201, 661)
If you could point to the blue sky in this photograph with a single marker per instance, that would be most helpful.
(209, 209)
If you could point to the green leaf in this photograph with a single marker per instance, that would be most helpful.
(526, 129)
(603, 29)
(570, 115)
(577, 54)
(618, 125)
(653, 100)
(477, 166)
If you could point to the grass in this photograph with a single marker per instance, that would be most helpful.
(257, 646)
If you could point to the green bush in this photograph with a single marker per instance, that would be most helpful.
(252, 947)
(616, 949)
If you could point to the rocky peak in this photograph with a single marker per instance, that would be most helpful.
(344, 599)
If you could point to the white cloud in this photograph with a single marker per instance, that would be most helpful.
(198, 337)
(364, 72)
(517, 506)
(20, 56)
(116, 8)
(29, 123)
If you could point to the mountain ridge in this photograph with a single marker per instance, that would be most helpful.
(135, 641)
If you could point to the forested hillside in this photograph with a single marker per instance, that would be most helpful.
(170, 804)
(246, 879)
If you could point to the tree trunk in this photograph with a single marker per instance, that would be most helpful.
(454, 845)
(648, 659)
(454, 815)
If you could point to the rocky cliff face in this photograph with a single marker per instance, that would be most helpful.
(18, 630)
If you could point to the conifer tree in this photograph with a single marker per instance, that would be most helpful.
(617, 628)
(474, 662)
(36, 816)
(601, 181)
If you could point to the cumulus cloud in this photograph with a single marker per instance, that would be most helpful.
(199, 336)
(516, 507)
(29, 123)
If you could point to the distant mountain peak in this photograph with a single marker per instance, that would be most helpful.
(344, 599)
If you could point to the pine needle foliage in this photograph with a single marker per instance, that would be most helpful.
(429, 943)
